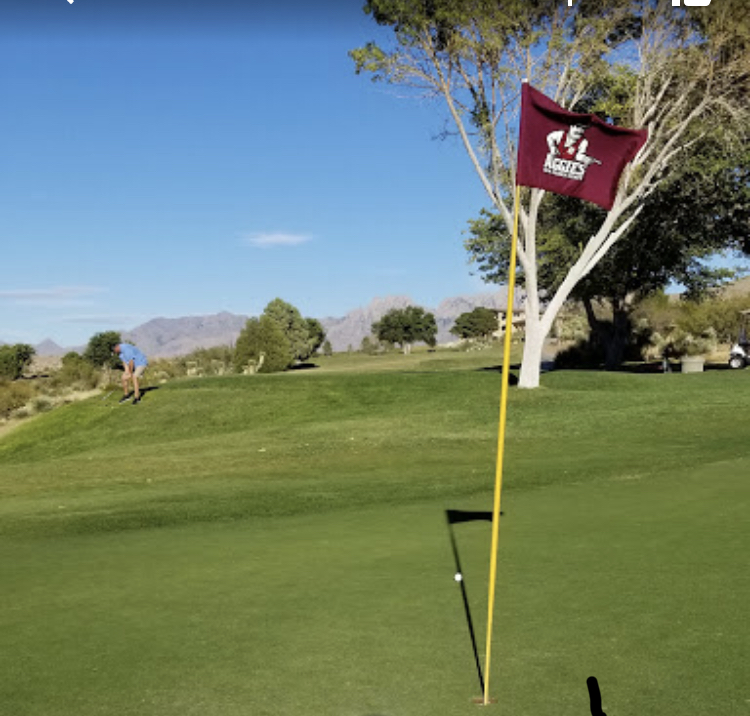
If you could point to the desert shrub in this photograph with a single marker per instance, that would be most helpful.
(218, 360)
(719, 315)
(77, 373)
(722, 315)
(165, 369)
(371, 346)
(571, 327)
(42, 405)
(14, 360)
(470, 345)
(14, 395)
(678, 342)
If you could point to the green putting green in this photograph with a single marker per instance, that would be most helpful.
(279, 545)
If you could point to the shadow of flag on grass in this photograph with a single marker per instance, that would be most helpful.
(456, 517)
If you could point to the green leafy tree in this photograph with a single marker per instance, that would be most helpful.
(701, 210)
(263, 337)
(478, 323)
(638, 64)
(327, 348)
(14, 359)
(315, 336)
(406, 326)
(99, 349)
(292, 325)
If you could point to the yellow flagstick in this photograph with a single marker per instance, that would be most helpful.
(501, 443)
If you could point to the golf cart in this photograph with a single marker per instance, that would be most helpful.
(739, 355)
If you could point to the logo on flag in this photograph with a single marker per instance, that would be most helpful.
(571, 153)
(567, 157)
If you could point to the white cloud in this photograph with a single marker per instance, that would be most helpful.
(55, 297)
(268, 240)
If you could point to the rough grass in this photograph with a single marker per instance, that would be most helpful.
(278, 545)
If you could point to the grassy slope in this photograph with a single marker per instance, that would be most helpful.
(307, 568)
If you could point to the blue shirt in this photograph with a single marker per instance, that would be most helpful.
(128, 353)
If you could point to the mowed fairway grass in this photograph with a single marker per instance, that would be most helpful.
(278, 545)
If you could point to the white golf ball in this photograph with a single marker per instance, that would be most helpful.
(458, 576)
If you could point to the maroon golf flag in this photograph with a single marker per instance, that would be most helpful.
(573, 154)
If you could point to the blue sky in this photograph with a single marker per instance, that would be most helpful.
(165, 158)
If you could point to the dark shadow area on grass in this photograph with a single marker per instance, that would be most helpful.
(127, 397)
(652, 367)
(512, 377)
(304, 366)
(454, 517)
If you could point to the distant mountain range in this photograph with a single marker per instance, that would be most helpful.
(169, 337)
(357, 324)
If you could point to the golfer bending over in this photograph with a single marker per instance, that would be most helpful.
(135, 364)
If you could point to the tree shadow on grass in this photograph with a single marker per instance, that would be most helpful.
(304, 366)
(657, 366)
(512, 377)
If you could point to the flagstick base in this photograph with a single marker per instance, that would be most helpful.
(479, 701)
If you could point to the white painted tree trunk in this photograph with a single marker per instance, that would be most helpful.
(538, 323)
(532, 353)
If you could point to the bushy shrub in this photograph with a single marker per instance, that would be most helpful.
(218, 360)
(371, 346)
(14, 360)
(677, 342)
(14, 395)
(571, 327)
(42, 405)
(263, 336)
(722, 315)
(77, 373)
(165, 368)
